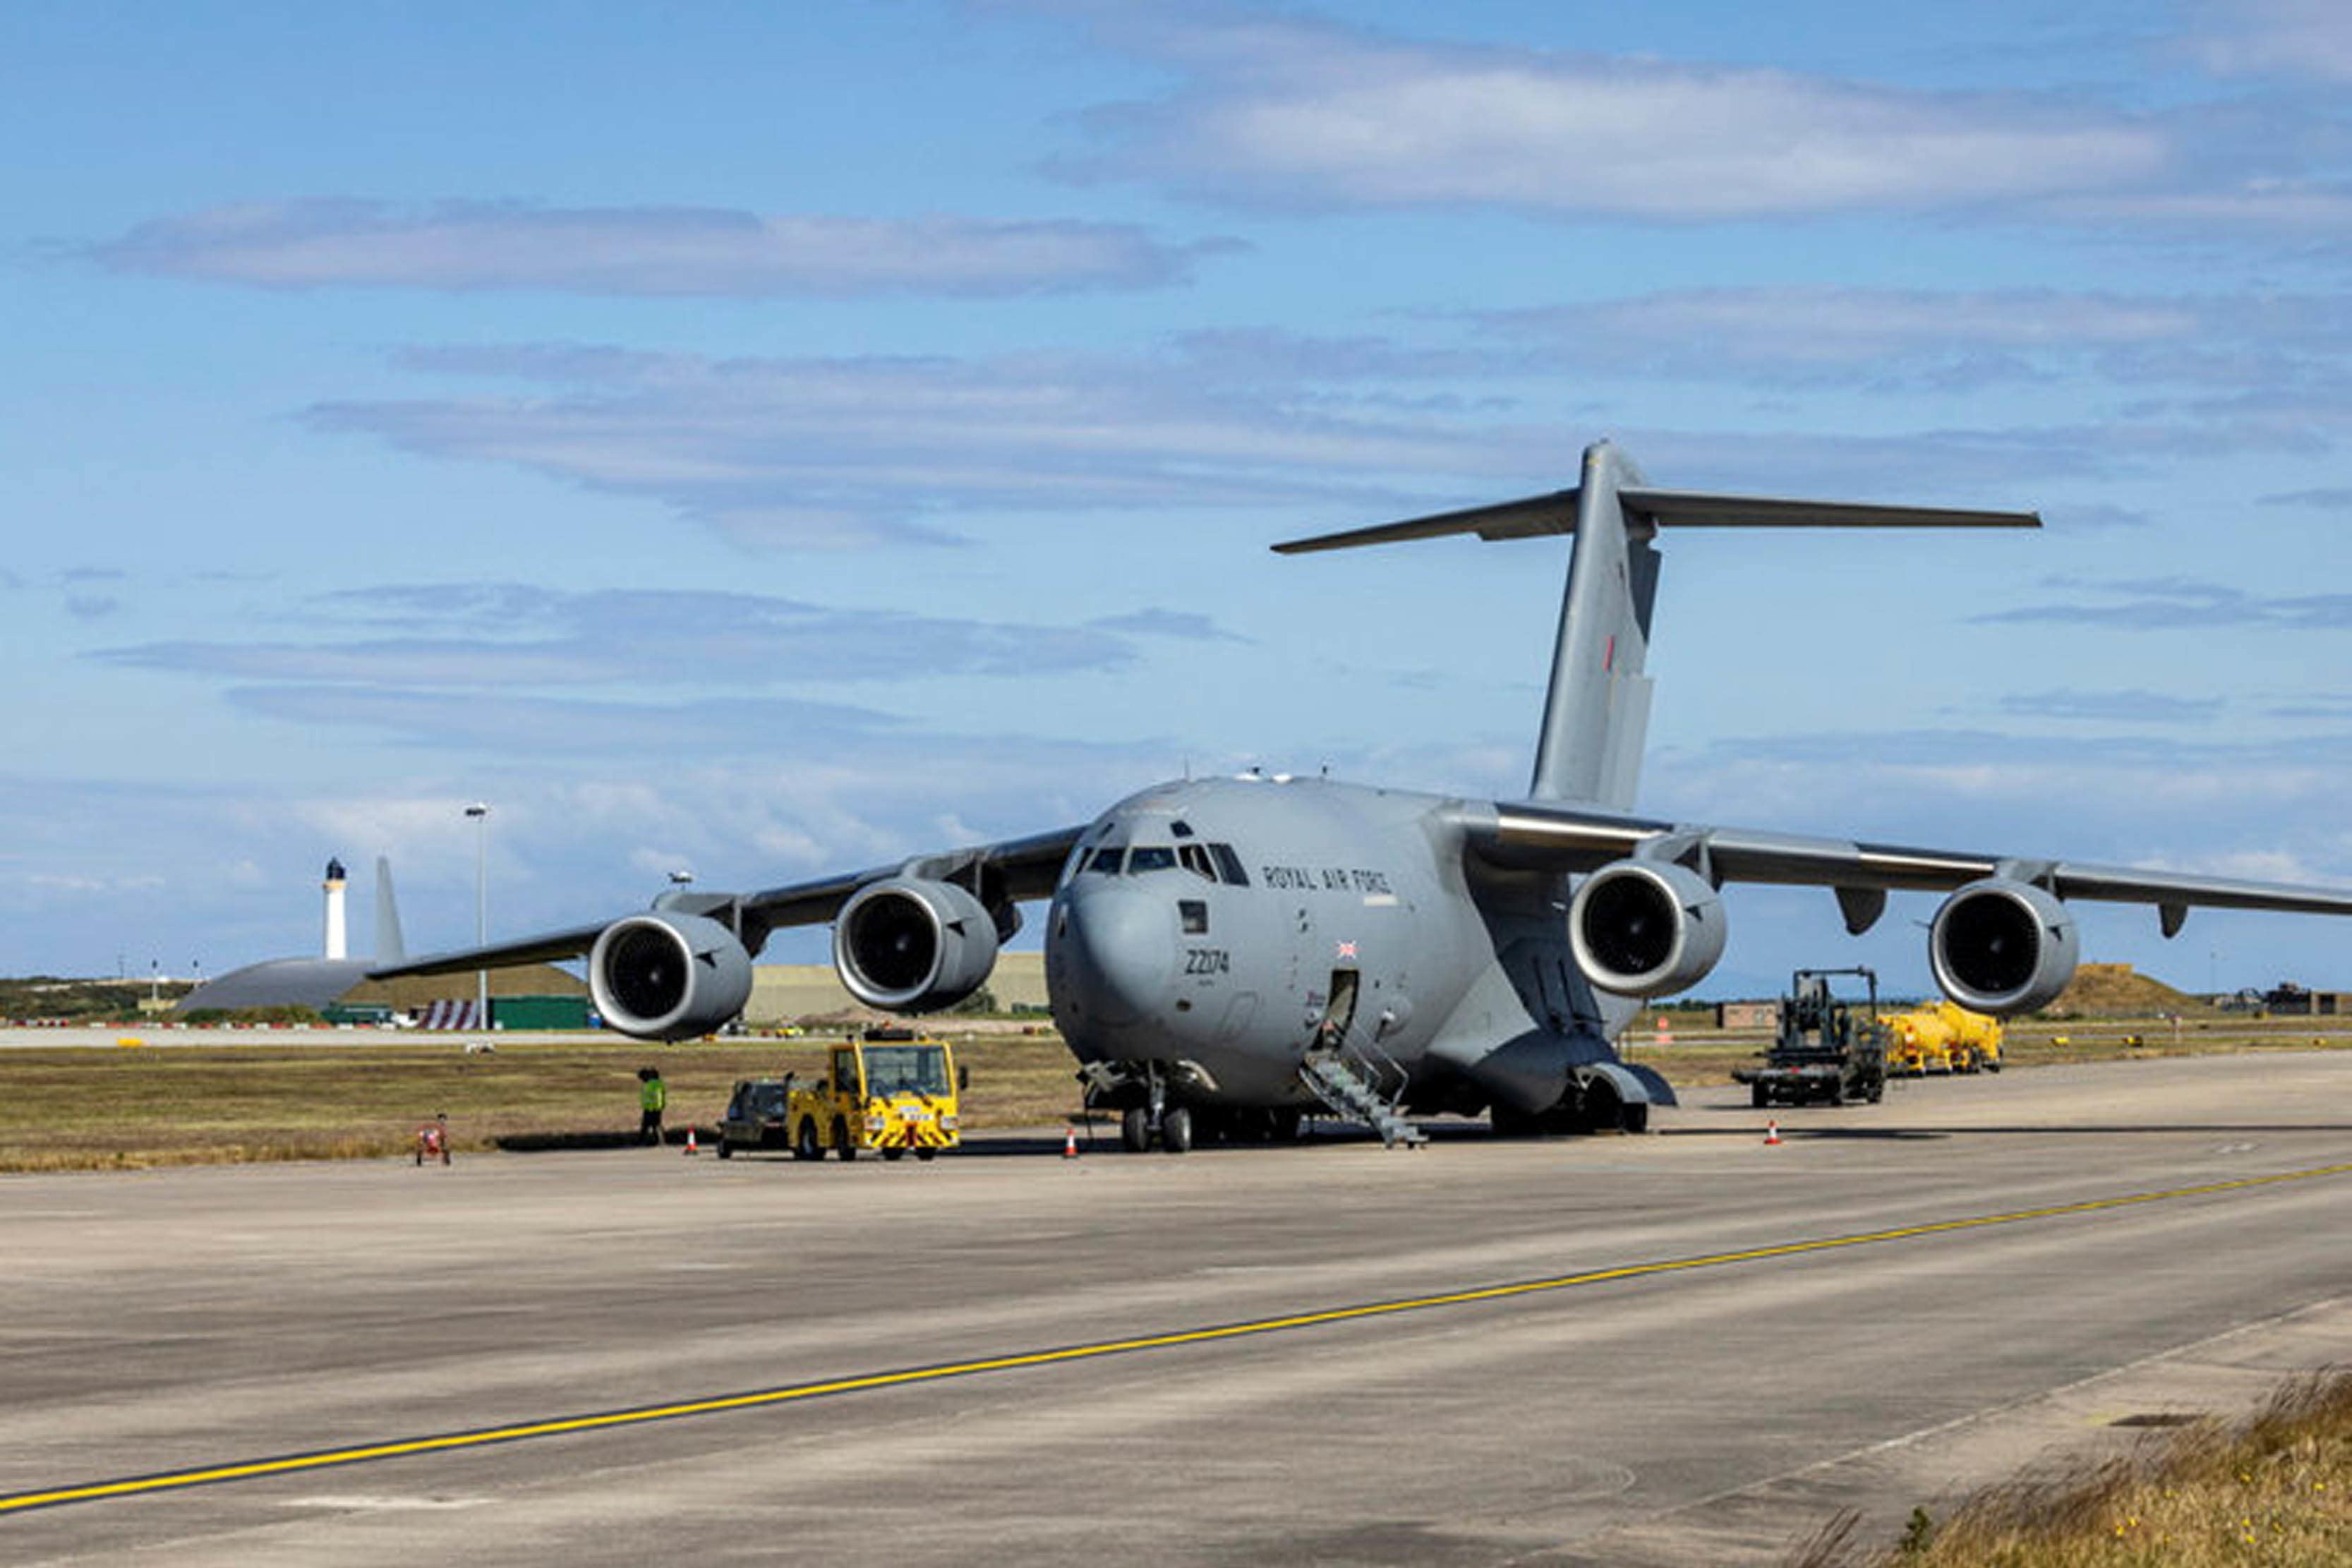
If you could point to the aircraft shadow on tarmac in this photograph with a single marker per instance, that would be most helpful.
(1033, 1145)
(2052, 1130)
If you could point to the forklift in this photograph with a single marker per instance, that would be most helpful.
(1825, 1051)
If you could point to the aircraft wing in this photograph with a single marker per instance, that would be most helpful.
(1536, 835)
(547, 947)
(1014, 869)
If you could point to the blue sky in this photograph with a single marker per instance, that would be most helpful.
(765, 440)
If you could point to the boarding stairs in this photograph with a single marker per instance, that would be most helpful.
(1352, 1083)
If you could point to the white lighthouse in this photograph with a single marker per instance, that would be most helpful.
(337, 942)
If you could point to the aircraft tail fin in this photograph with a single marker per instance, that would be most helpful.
(1597, 710)
(389, 947)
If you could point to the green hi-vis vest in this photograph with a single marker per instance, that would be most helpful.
(654, 1095)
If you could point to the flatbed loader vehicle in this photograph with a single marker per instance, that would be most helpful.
(1825, 1052)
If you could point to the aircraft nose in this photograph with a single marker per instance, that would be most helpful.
(1121, 946)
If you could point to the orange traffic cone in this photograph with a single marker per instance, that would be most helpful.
(691, 1147)
(1069, 1141)
(1771, 1134)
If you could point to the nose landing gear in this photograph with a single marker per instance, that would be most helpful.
(1172, 1125)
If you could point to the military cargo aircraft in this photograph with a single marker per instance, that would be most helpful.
(1223, 956)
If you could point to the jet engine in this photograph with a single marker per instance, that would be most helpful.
(911, 945)
(668, 976)
(1644, 928)
(2001, 947)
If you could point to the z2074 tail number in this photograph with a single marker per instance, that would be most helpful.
(1207, 961)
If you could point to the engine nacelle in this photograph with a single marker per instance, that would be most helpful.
(666, 976)
(1645, 928)
(2001, 947)
(909, 945)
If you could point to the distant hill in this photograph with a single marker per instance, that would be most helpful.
(2119, 991)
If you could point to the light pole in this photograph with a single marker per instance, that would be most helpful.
(481, 816)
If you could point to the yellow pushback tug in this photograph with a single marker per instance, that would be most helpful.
(892, 1092)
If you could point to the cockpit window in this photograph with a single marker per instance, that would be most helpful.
(1107, 858)
(1151, 857)
(1230, 864)
(1194, 857)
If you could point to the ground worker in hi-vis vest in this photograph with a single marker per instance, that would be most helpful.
(653, 1097)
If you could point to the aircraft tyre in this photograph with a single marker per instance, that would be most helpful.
(1508, 1122)
(1602, 1110)
(1176, 1129)
(1284, 1124)
(1135, 1130)
(842, 1147)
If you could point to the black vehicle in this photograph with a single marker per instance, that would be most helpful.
(756, 1116)
(1824, 1053)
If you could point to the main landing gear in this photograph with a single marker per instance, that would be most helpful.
(1596, 1107)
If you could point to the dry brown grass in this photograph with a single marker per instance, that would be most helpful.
(85, 1109)
(67, 1108)
(2275, 1489)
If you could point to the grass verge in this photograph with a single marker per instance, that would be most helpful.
(111, 1109)
(2275, 1488)
(81, 1109)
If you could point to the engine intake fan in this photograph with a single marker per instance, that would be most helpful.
(911, 945)
(1644, 928)
(668, 976)
(2002, 947)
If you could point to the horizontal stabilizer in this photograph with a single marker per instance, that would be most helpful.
(1555, 513)
(1697, 509)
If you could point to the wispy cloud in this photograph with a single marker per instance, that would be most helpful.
(472, 637)
(2336, 498)
(2114, 707)
(802, 453)
(1292, 114)
(462, 246)
(2277, 38)
(1184, 625)
(1795, 335)
(569, 726)
(2177, 604)
(1303, 115)
(814, 452)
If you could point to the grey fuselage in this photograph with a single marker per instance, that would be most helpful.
(1361, 924)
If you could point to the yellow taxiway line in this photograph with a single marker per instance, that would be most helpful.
(287, 1463)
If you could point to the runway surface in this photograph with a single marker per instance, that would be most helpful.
(1681, 1348)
